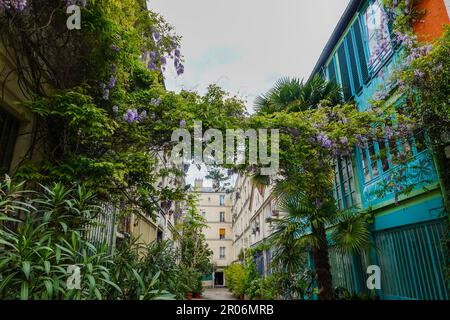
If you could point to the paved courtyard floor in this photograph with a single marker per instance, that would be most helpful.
(217, 294)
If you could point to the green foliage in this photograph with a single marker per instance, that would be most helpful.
(294, 95)
(236, 279)
(263, 289)
(41, 236)
(43, 232)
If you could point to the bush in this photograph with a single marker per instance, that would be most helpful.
(235, 275)
(41, 236)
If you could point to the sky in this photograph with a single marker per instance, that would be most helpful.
(245, 46)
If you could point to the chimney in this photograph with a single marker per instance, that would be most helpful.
(198, 184)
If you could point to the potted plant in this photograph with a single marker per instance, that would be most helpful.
(198, 289)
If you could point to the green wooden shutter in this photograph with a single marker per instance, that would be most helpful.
(354, 68)
(332, 71)
(360, 51)
(343, 68)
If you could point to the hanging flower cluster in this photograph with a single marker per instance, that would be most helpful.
(158, 62)
(412, 46)
(132, 116)
(383, 43)
(105, 88)
(17, 5)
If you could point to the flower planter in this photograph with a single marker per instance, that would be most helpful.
(189, 296)
(197, 295)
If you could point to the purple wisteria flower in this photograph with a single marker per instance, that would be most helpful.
(389, 132)
(182, 123)
(155, 102)
(17, 5)
(115, 110)
(343, 141)
(131, 116)
(156, 36)
(419, 73)
(143, 115)
(180, 69)
(112, 82)
(324, 141)
(105, 94)
(115, 48)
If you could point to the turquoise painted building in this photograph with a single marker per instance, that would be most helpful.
(408, 230)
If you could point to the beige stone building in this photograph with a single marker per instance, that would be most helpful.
(252, 209)
(216, 209)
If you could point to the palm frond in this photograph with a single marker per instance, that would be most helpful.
(351, 234)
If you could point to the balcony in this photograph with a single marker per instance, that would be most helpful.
(419, 174)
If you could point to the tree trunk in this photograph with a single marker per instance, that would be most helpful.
(322, 264)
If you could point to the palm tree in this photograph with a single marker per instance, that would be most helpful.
(304, 211)
(292, 94)
(304, 226)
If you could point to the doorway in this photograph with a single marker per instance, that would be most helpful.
(218, 279)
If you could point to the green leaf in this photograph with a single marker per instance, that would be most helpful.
(26, 268)
(24, 291)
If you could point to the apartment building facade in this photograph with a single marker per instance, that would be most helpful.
(215, 207)
(253, 208)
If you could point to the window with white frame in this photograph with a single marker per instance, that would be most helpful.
(379, 40)
(222, 252)
(344, 183)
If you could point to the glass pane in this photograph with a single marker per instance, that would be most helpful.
(373, 160)
(383, 155)
(365, 164)
(407, 148)
(419, 135)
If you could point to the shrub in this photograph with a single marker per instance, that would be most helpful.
(235, 275)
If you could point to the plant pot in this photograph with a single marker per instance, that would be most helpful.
(241, 297)
(189, 295)
(197, 295)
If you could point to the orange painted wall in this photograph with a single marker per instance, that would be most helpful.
(431, 26)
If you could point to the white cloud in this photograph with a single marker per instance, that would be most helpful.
(246, 45)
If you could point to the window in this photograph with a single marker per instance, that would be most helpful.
(373, 160)
(377, 157)
(351, 56)
(9, 128)
(365, 164)
(379, 41)
(222, 216)
(222, 252)
(222, 234)
(383, 155)
(344, 183)
(420, 142)
(222, 200)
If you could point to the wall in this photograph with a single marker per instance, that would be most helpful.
(431, 25)
(12, 99)
(209, 206)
